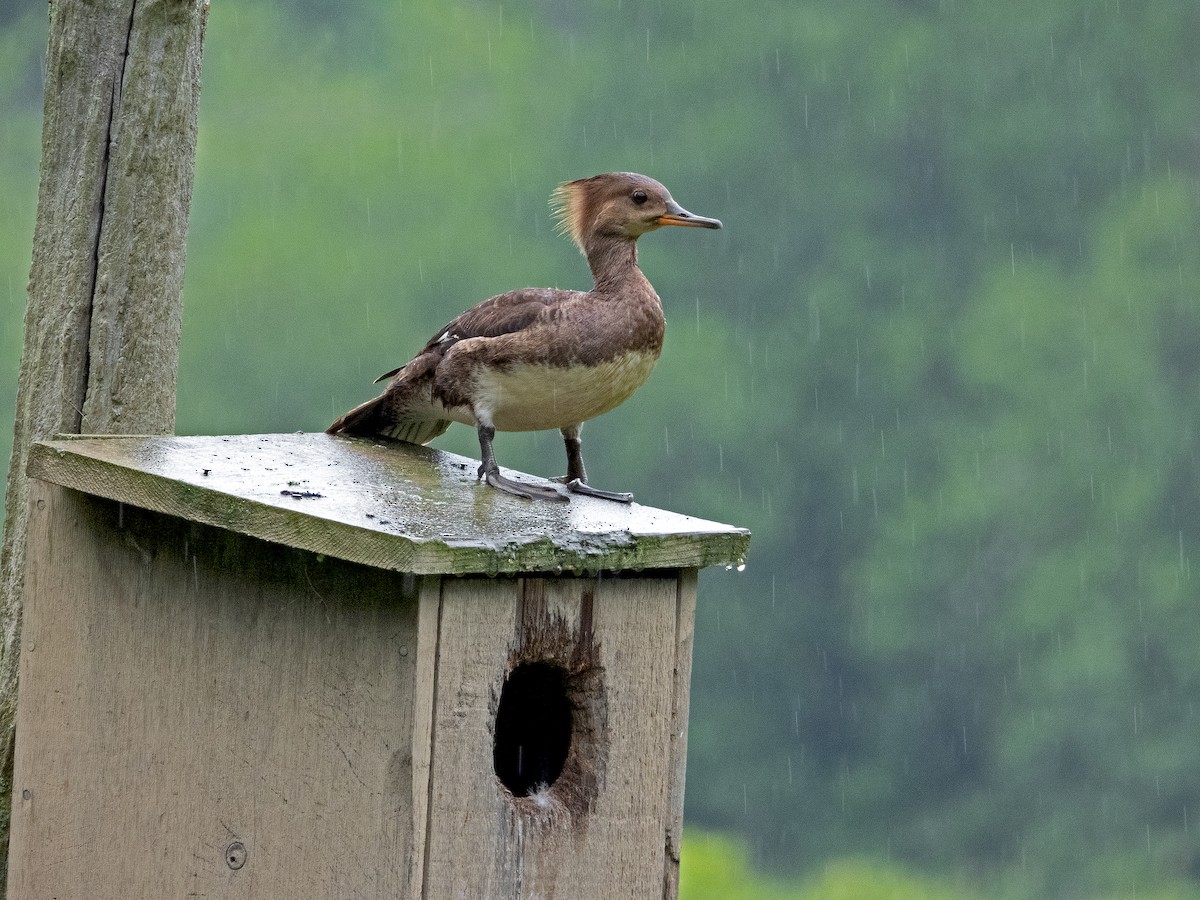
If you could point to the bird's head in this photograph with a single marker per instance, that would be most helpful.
(619, 204)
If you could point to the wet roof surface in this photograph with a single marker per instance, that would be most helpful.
(390, 505)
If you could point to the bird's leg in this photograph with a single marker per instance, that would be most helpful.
(576, 477)
(490, 470)
(574, 445)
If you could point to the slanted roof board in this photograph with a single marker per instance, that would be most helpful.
(392, 506)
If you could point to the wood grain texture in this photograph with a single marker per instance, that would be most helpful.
(184, 688)
(133, 334)
(394, 506)
(605, 840)
(685, 632)
(102, 323)
(330, 727)
(429, 601)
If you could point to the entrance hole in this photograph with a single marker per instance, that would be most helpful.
(533, 728)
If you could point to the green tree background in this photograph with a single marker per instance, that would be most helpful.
(944, 360)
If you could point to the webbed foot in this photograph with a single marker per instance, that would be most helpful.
(521, 489)
(576, 486)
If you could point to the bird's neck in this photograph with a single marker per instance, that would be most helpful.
(613, 261)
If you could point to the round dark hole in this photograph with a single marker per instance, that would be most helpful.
(533, 728)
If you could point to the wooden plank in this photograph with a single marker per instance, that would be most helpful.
(478, 620)
(605, 821)
(685, 631)
(185, 690)
(429, 606)
(393, 506)
(635, 622)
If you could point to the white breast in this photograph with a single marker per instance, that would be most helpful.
(537, 397)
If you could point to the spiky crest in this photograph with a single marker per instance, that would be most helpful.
(568, 204)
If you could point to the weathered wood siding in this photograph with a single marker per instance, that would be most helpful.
(186, 689)
(203, 713)
(602, 830)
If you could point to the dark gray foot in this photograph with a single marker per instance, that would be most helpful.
(575, 486)
(576, 477)
(490, 470)
(521, 489)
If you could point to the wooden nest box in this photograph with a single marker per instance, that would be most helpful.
(292, 666)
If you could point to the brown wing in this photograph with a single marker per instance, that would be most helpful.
(403, 409)
(502, 314)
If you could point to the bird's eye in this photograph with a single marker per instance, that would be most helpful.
(639, 197)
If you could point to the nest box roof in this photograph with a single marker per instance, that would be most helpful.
(392, 506)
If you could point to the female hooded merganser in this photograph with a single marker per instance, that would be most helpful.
(542, 358)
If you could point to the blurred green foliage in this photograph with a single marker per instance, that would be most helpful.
(715, 868)
(944, 360)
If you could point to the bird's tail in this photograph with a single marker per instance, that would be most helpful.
(381, 417)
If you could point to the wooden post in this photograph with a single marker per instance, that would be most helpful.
(279, 666)
(102, 326)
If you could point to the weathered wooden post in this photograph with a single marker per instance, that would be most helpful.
(102, 326)
(305, 666)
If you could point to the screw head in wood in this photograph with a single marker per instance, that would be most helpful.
(235, 855)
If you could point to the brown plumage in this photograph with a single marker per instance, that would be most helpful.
(541, 358)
